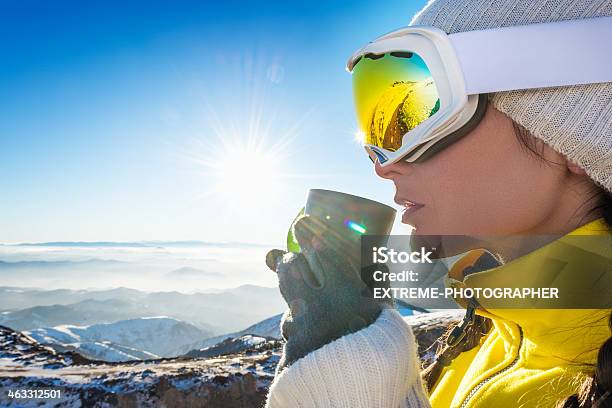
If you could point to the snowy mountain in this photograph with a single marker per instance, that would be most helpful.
(225, 311)
(235, 380)
(105, 351)
(246, 343)
(238, 380)
(267, 329)
(134, 339)
(20, 350)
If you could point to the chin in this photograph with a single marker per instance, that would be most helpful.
(424, 228)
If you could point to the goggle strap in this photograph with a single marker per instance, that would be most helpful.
(541, 55)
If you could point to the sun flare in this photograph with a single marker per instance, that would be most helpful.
(359, 137)
(246, 174)
(244, 150)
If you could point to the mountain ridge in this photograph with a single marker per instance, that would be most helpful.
(131, 339)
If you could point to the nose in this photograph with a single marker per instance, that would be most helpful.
(388, 172)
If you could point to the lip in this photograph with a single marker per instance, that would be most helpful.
(409, 207)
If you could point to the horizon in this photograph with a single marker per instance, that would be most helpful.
(132, 243)
(96, 289)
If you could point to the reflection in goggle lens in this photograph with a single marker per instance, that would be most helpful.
(393, 93)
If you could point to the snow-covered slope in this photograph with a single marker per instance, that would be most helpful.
(105, 351)
(268, 328)
(243, 344)
(233, 381)
(133, 339)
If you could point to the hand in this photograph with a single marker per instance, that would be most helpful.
(325, 288)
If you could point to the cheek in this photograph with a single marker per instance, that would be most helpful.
(532, 192)
(514, 197)
(487, 188)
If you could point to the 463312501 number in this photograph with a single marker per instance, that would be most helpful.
(34, 393)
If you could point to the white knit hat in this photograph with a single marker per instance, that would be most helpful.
(576, 121)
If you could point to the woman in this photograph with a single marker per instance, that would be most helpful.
(538, 162)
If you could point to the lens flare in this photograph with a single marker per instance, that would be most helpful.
(356, 227)
(359, 136)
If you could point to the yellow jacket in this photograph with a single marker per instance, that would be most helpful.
(531, 357)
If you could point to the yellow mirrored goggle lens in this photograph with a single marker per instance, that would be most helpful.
(393, 94)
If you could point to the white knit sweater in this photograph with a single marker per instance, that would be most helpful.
(376, 366)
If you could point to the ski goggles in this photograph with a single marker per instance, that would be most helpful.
(417, 89)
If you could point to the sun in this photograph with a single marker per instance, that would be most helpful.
(359, 137)
(246, 173)
(244, 146)
(244, 164)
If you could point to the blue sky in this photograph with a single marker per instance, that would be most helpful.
(111, 115)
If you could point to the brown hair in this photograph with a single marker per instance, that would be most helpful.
(596, 390)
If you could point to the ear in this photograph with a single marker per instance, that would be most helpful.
(575, 169)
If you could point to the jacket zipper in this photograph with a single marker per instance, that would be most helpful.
(489, 378)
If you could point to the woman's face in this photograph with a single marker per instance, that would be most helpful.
(487, 183)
